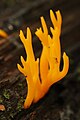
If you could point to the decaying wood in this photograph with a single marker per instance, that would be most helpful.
(62, 102)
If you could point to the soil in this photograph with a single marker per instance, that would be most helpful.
(62, 102)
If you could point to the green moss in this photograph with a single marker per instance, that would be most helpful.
(1, 99)
(20, 104)
(6, 94)
(20, 85)
(11, 115)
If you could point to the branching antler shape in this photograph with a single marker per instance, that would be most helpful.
(49, 71)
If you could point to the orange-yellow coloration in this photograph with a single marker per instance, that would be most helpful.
(3, 33)
(49, 71)
(2, 107)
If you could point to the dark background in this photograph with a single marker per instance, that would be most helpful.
(62, 102)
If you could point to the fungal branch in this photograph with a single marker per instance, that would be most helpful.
(49, 71)
(30, 67)
(3, 33)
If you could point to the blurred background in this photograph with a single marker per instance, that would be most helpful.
(62, 102)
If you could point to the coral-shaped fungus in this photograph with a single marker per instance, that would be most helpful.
(41, 74)
(3, 33)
